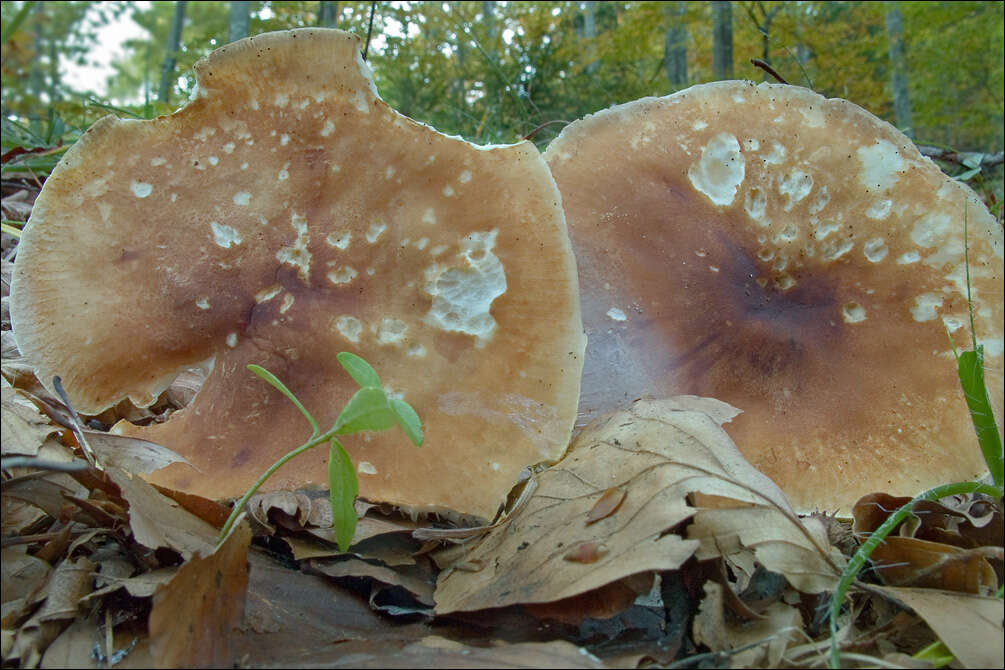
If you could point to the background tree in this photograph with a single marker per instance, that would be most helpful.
(722, 53)
(172, 48)
(240, 20)
(496, 72)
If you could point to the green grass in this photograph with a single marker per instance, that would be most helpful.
(970, 369)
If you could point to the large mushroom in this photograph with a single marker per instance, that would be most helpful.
(793, 256)
(284, 214)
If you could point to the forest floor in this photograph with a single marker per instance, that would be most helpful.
(101, 568)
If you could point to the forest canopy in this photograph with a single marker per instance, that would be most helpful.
(500, 71)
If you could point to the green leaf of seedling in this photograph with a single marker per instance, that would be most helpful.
(359, 369)
(970, 367)
(281, 387)
(366, 410)
(344, 487)
(408, 419)
(964, 176)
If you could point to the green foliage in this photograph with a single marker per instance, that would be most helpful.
(369, 409)
(496, 72)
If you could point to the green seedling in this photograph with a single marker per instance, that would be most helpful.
(970, 369)
(368, 409)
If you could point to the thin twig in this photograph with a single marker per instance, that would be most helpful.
(757, 62)
(38, 463)
(78, 425)
(369, 29)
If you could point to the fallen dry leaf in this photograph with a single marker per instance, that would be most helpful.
(936, 547)
(658, 453)
(760, 643)
(79, 645)
(158, 521)
(22, 426)
(132, 454)
(970, 626)
(23, 573)
(194, 614)
(780, 541)
(70, 581)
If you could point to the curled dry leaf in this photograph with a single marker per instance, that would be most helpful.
(658, 453)
(937, 547)
(132, 454)
(971, 626)
(417, 580)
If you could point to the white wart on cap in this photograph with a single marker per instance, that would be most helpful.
(793, 256)
(283, 215)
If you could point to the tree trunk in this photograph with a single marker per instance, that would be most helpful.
(491, 27)
(590, 33)
(675, 45)
(328, 14)
(763, 26)
(722, 48)
(898, 69)
(170, 52)
(240, 20)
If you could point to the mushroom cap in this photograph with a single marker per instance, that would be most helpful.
(285, 214)
(793, 256)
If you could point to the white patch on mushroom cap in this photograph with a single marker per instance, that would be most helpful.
(342, 275)
(242, 198)
(268, 293)
(359, 99)
(796, 185)
(930, 230)
(297, 254)
(349, 327)
(390, 331)
(720, 170)
(881, 165)
(925, 306)
(375, 231)
(339, 239)
(875, 249)
(616, 314)
(755, 203)
(853, 312)
(202, 303)
(225, 236)
(366, 468)
(879, 209)
(463, 295)
(141, 189)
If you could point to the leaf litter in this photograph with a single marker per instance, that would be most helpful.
(652, 542)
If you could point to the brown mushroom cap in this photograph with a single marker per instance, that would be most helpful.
(283, 215)
(793, 256)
